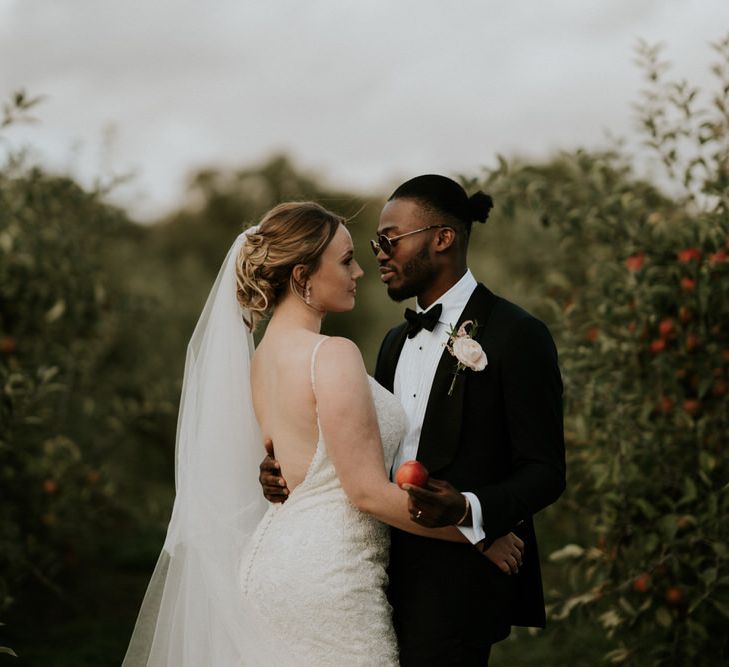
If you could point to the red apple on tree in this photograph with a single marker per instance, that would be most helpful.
(642, 582)
(411, 472)
(688, 284)
(635, 262)
(666, 327)
(50, 486)
(7, 344)
(665, 405)
(689, 254)
(675, 595)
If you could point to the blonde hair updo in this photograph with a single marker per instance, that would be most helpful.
(289, 234)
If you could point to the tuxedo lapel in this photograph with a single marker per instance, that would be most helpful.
(385, 372)
(442, 422)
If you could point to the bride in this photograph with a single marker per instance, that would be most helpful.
(303, 583)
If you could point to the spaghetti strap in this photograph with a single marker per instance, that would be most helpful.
(313, 361)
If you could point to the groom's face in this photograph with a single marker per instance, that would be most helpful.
(408, 270)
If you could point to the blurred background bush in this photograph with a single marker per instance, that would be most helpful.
(631, 276)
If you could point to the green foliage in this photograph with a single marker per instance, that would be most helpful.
(632, 277)
(17, 108)
(639, 295)
(50, 303)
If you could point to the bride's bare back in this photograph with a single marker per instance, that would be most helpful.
(283, 398)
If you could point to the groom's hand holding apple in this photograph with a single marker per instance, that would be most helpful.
(435, 503)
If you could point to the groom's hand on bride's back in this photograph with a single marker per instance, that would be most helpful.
(270, 477)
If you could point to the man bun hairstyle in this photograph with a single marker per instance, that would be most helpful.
(480, 205)
(290, 234)
(443, 195)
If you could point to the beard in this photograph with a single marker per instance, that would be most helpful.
(417, 274)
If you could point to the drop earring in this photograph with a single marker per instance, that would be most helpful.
(307, 293)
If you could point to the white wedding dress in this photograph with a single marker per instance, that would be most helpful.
(314, 570)
(241, 582)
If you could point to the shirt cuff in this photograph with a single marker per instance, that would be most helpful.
(475, 532)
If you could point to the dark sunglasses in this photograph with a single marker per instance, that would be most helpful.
(386, 244)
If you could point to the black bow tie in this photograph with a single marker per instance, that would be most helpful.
(425, 320)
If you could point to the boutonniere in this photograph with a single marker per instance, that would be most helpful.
(465, 349)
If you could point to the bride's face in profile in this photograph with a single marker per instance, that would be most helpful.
(334, 283)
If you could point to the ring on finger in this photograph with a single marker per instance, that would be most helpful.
(419, 514)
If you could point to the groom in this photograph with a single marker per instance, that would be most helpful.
(492, 439)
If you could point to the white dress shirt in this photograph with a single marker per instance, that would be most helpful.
(414, 378)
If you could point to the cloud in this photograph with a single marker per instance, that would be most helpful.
(362, 91)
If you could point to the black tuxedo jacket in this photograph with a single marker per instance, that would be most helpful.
(500, 436)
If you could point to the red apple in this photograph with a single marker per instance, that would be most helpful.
(50, 486)
(688, 284)
(7, 344)
(689, 254)
(411, 472)
(642, 582)
(593, 333)
(665, 405)
(720, 388)
(675, 595)
(635, 262)
(666, 327)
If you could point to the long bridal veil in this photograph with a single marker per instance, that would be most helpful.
(194, 613)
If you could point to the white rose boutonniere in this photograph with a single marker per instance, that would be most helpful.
(466, 350)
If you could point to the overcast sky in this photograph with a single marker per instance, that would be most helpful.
(365, 93)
